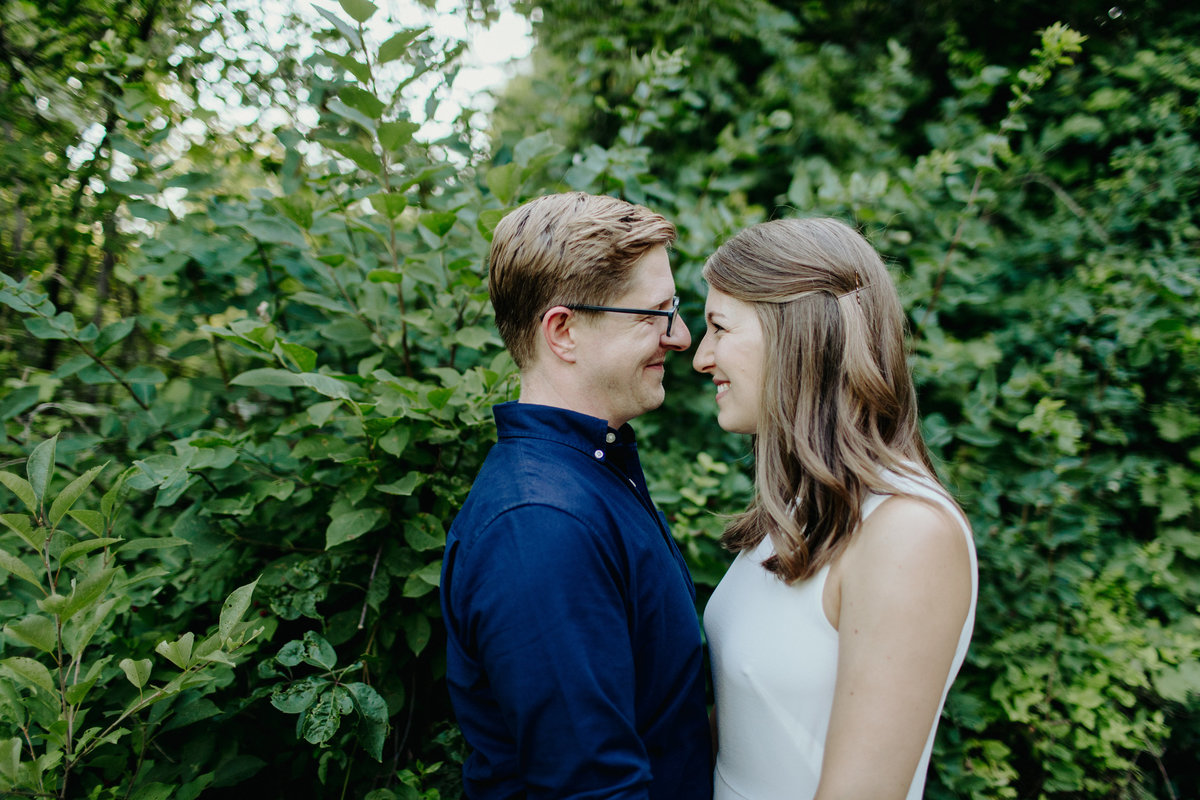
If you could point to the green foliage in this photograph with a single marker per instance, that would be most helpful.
(85, 707)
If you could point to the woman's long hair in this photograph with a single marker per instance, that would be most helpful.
(838, 406)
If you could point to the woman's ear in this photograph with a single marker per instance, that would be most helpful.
(558, 332)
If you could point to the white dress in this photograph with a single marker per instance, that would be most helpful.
(774, 662)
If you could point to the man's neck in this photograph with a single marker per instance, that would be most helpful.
(558, 392)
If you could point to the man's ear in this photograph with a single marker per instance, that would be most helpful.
(558, 332)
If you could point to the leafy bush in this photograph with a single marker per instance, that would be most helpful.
(73, 722)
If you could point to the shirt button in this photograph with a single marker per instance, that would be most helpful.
(599, 454)
(610, 437)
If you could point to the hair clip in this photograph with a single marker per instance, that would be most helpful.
(856, 291)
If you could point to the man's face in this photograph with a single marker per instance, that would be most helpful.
(621, 355)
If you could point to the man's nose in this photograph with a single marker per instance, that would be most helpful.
(680, 337)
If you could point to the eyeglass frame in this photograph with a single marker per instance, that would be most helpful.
(656, 312)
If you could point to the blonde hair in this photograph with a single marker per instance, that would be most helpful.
(838, 402)
(565, 249)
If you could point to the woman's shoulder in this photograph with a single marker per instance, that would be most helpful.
(911, 540)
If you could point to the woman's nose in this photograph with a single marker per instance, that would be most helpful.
(702, 361)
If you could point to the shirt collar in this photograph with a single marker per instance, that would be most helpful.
(584, 433)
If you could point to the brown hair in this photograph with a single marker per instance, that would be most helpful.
(838, 405)
(564, 249)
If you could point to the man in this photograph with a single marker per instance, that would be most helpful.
(574, 654)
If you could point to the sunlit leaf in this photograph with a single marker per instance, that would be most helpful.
(138, 672)
(30, 672)
(40, 467)
(397, 45)
(67, 497)
(342, 27)
(359, 10)
(234, 608)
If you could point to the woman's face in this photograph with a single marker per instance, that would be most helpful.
(732, 353)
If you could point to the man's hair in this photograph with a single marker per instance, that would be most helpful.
(565, 249)
(838, 406)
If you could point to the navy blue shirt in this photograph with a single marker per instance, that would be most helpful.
(574, 656)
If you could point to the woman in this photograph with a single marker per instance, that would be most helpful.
(837, 631)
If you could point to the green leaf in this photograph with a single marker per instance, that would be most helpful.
(321, 720)
(151, 212)
(76, 692)
(178, 652)
(40, 467)
(475, 337)
(22, 525)
(342, 27)
(360, 155)
(321, 301)
(385, 276)
(351, 114)
(111, 335)
(115, 494)
(359, 10)
(389, 204)
(405, 486)
(296, 208)
(154, 790)
(10, 757)
(311, 649)
(439, 222)
(275, 230)
(87, 592)
(373, 710)
(30, 672)
(324, 384)
(424, 580)
(36, 631)
(424, 532)
(17, 567)
(349, 526)
(234, 608)
(360, 71)
(79, 633)
(319, 413)
(394, 135)
(145, 543)
(294, 698)
(364, 102)
(83, 548)
(488, 220)
(53, 603)
(67, 497)
(138, 672)
(72, 366)
(145, 374)
(417, 632)
(533, 151)
(22, 488)
(504, 182)
(397, 45)
(20, 401)
(304, 358)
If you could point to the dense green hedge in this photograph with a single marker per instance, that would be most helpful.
(247, 375)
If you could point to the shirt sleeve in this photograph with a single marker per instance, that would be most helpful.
(544, 604)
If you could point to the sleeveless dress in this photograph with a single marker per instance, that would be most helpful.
(774, 661)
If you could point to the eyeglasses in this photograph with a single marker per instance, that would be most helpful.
(655, 312)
